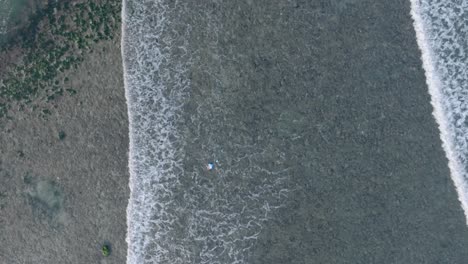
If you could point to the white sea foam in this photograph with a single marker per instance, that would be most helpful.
(154, 92)
(442, 35)
(174, 216)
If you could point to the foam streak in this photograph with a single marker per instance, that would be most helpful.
(155, 88)
(440, 35)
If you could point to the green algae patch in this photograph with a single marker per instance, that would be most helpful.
(54, 43)
(105, 250)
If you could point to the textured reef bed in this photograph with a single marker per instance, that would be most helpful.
(53, 42)
(63, 138)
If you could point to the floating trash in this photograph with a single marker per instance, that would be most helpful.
(210, 166)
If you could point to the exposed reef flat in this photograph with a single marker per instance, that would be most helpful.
(63, 160)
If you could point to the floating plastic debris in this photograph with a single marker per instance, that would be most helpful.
(210, 166)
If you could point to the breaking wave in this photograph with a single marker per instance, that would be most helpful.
(174, 214)
(442, 31)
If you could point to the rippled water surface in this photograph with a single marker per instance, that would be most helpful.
(317, 118)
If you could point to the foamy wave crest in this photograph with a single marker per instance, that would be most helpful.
(442, 31)
(176, 215)
(155, 86)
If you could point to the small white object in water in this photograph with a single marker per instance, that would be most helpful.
(210, 166)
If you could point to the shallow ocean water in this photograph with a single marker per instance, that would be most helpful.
(319, 123)
(12, 13)
(5, 10)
